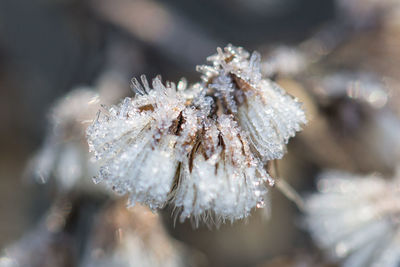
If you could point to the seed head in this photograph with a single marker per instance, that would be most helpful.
(201, 148)
(357, 218)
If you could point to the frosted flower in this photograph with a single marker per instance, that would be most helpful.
(261, 107)
(141, 241)
(357, 218)
(228, 182)
(134, 143)
(64, 154)
(195, 147)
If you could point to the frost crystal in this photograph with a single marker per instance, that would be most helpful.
(201, 148)
(357, 218)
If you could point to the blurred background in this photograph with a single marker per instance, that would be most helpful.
(340, 58)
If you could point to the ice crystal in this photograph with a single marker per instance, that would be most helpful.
(201, 148)
(357, 218)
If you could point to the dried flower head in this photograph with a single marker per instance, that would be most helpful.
(203, 147)
(132, 237)
(357, 218)
(64, 153)
(285, 60)
(263, 110)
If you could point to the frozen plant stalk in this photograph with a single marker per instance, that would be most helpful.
(202, 148)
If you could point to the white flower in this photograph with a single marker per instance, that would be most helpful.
(201, 148)
(134, 144)
(228, 182)
(357, 218)
(64, 153)
(263, 109)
